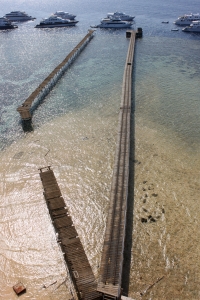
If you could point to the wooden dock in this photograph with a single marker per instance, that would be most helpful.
(74, 254)
(109, 283)
(44, 88)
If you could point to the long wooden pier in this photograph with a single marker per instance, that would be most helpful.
(109, 283)
(44, 88)
(74, 254)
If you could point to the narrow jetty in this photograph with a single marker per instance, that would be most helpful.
(45, 87)
(74, 254)
(109, 283)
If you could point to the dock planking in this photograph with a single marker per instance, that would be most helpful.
(109, 283)
(74, 254)
(43, 89)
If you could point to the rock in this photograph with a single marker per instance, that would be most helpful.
(143, 220)
(144, 209)
(154, 195)
(144, 181)
(152, 220)
(19, 288)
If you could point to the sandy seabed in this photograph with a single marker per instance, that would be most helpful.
(165, 251)
(81, 155)
(165, 237)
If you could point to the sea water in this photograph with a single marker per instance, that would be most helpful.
(75, 130)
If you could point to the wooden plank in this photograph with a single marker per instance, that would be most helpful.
(68, 239)
(56, 203)
(112, 256)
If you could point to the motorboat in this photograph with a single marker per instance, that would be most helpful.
(114, 23)
(187, 19)
(54, 21)
(194, 27)
(18, 16)
(6, 24)
(121, 15)
(64, 15)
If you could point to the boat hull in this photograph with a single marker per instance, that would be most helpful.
(191, 30)
(118, 26)
(183, 23)
(55, 25)
(8, 27)
(19, 19)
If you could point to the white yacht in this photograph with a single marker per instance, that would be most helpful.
(6, 24)
(114, 23)
(187, 19)
(64, 15)
(18, 16)
(121, 15)
(54, 21)
(194, 27)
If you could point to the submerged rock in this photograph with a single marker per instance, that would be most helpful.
(143, 220)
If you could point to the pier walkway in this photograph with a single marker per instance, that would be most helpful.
(45, 87)
(109, 283)
(74, 254)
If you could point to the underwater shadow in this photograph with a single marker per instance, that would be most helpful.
(27, 125)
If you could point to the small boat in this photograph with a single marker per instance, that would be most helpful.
(18, 16)
(187, 19)
(64, 15)
(165, 22)
(121, 15)
(54, 21)
(6, 24)
(194, 27)
(174, 29)
(114, 23)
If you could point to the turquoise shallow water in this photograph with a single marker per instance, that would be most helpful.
(76, 125)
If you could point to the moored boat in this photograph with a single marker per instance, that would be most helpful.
(18, 16)
(54, 21)
(187, 19)
(6, 24)
(194, 27)
(64, 15)
(121, 15)
(114, 23)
